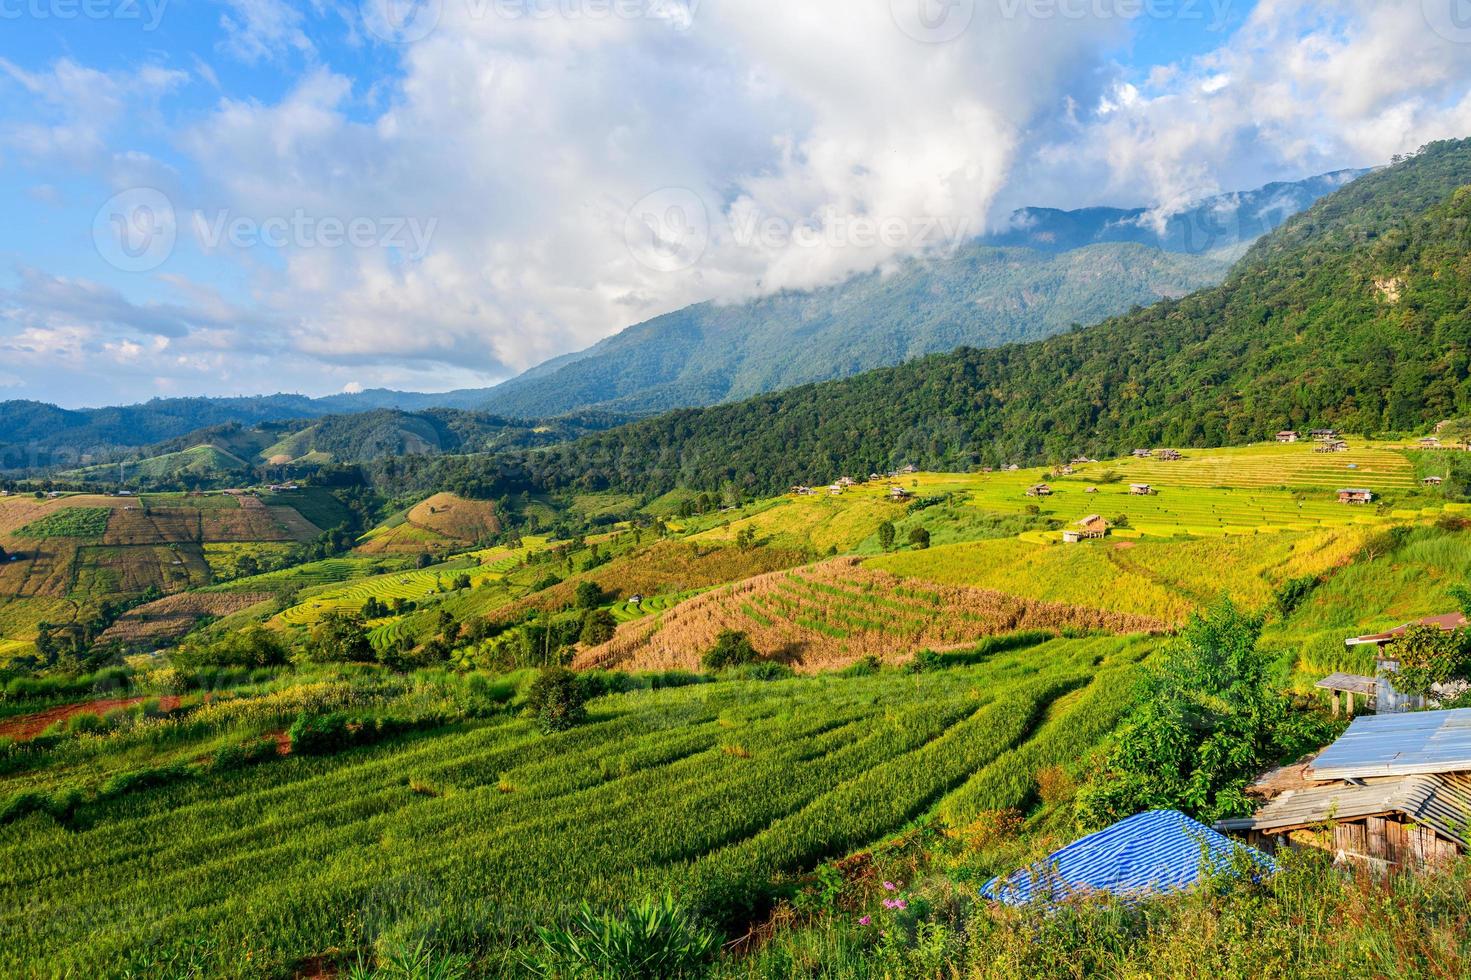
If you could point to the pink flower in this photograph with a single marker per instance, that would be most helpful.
(889, 903)
(901, 904)
(889, 886)
(866, 920)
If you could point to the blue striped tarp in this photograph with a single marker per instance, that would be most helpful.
(1152, 853)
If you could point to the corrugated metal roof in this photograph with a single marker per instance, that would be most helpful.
(1152, 853)
(1442, 802)
(1446, 623)
(1399, 745)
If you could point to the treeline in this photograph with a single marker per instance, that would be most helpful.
(1355, 314)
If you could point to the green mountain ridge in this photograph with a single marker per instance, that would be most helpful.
(1356, 314)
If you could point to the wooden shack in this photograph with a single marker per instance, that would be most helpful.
(1170, 455)
(1142, 490)
(1394, 791)
(1287, 435)
(1089, 528)
(1040, 490)
(1355, 495)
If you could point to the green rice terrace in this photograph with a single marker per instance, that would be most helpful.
(264, 749)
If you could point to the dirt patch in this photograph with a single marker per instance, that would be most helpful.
(29, 726)
(171, 618)
(1124, 545)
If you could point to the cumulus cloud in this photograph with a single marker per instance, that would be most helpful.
(576, 173)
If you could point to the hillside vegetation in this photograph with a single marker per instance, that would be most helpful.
(1355, 314)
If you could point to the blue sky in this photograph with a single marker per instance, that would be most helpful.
(245, 196)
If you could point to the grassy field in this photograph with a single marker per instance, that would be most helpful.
(718, 792)
(830, 615)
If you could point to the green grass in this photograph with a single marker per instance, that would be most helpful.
(482, 830)
(86, 523)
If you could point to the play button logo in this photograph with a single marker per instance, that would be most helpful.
(1451, 19)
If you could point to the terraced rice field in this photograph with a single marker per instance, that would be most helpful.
(173, 616)
(415, 585)
(710, 791)
(834, 613)
(1163, 579)
(1295, 466)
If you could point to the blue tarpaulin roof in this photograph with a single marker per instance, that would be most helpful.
(1150, 853)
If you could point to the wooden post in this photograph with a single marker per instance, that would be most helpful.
(1335, 704)
(1350, 704)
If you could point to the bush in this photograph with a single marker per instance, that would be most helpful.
(232, 757)
(558, 699)
(764, 670)
(653, 939)
(919, 538)
(588, 595)
(731, 649)
(597, 628)
(924, 662)
(319, 734)
(866, 667)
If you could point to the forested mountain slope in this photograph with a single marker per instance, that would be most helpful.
(1356, 314)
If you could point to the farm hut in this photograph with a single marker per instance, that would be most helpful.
(1040, 490)
(1066, 470)
(1287, 435)
(1169, 454)
(898, 493)
(1324, 435)
(1393, 790)
(1142, 453)
(1142, 490)
(801, 491)
(1355, 495)
(909, 469)
(1083, 461)
(1430, 442)
(1433, 481)
(1159, 852)
(1091, 490)
(1089, 528)
(1387, 700)
(1012, 468)
(1352, 686)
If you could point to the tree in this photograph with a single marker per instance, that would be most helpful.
(746, 538)
(424, 560)
(1204, 724)
(1429, 656)
(588, 595)
(886, 535)
(597, 628)
(558, 699)
(919, 537)
(339, 637)
(731, 649)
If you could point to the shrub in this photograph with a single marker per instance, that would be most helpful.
(558, 699)
(764, 670)
(652, 939)
(925, 661)
(732, 649)
(319, 734)
(598, 627)
(588, 595)
(919, 538)
(866, 667)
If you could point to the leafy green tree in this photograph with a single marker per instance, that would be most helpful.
(597, 628)
(557, 699)
(339, 637)
(588, 595)
(732, 649)
(886, 536)
(1205, 723)
(919, 538)
(1428, 656)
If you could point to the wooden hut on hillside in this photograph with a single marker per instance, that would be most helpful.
(1142, 490)
(1355, 495)
(1170, 455)
(1089, 528)
(1287, 435)
(1040, 490)
(1394, 791)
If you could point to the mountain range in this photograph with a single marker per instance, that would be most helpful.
(1045, 272)
(1355, 314)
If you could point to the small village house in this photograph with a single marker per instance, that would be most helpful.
(898, 493)
(1287, 435)
(1394, 791)
(1089, 528)
(801, 491)
(1169, 454)
(1430, 442)
(1383, 697)
(1433, 481)
(1142, 453)
(1324, 435)
(1332, 446)
(1355, 495)
(1040, 490)
(1142, 490)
